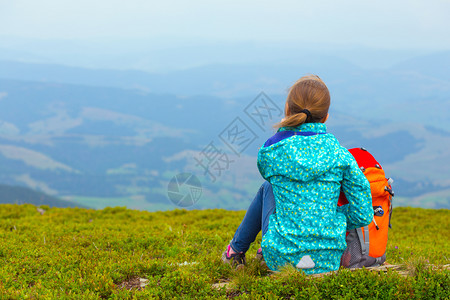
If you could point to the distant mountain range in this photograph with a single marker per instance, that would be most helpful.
(21, 195)
(394, 94)
(106, 138)
(238, 79)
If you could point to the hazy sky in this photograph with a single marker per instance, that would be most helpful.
(387, 24)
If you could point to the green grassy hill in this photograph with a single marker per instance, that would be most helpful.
(74, 253)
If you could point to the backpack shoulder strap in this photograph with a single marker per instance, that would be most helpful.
(364, 240)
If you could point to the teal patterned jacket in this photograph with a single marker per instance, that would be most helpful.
(307, 229)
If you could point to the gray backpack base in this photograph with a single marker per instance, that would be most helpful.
(357, 253)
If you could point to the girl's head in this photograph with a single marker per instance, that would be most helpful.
(308, 101)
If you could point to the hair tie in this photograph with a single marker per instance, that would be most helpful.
(307, 112)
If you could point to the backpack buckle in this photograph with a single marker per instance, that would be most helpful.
(389, 190)
(378, 211)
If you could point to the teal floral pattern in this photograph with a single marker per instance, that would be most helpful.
(307, 174)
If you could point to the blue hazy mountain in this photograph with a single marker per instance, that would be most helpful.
(395, 93)
(107, 137)
(21, 195)
(168, 54)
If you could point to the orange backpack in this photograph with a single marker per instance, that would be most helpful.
(366, 246)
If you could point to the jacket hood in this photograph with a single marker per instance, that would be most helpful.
(300, 157)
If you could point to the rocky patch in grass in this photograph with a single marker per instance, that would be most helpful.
(134, 283)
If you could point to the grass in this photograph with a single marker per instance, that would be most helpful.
(133, 201)
(95, 254)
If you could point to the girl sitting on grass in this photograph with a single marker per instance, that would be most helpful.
(296, 208)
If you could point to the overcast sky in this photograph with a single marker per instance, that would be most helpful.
(387, 24)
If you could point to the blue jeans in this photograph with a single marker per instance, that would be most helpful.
(256, 219)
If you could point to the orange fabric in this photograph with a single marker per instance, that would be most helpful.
(380, 197)
(377, 180)
(365, 160)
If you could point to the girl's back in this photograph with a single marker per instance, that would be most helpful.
(306, 171)
(296, 208)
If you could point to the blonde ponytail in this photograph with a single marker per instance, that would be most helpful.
(293, 120)
(308, 101)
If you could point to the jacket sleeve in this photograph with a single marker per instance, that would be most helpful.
(264, 166)
(356, 187)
